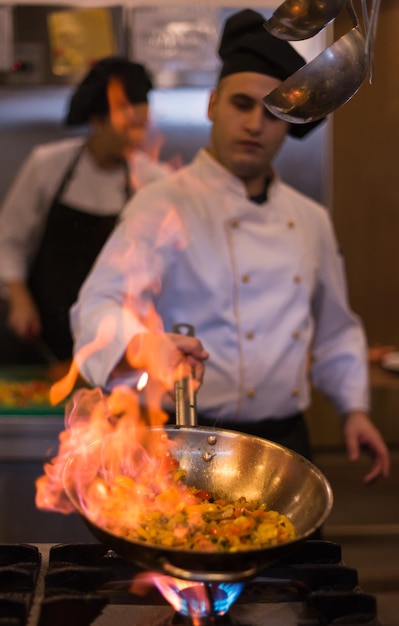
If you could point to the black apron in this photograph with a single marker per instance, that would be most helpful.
(71, 242)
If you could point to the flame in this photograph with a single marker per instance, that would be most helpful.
(132, 120)
(143, 380)
(193, 599)
(129, 120)
(90, 415)
(131, 448)
(117, 446)
(62, 388)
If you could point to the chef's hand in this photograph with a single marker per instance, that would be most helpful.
(23, 316)
(167, 357)
(360, 432)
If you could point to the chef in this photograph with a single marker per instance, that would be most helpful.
(225, 245)
(65, 202)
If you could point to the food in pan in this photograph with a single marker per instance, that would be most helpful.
(186, 518)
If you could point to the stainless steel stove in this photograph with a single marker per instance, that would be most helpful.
(83, 584)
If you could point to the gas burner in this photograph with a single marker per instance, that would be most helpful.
(224, 620)
(198, 601)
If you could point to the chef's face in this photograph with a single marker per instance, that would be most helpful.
(245, 137)
(127, 126)
(123, 130)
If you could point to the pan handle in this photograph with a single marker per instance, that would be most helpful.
(211, 577)
(186, 410)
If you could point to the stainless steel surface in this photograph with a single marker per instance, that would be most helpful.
(31, 116)
(186, 414)
(260, 614)
(231, 465)
(370, 19)
(326, 83)
(29, 438)
(186, 409)
(295, 20)
(26, 443)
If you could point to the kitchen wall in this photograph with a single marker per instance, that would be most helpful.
(365, 206)
(366, 185)
(33, 103)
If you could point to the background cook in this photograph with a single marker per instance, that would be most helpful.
(64, 203)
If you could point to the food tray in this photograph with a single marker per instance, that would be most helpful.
(12, 380)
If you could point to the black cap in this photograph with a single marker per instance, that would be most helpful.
(90, 97)
(246, 46)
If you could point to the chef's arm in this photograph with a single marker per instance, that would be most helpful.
(339, 349)
(340, 367)
(165, 357)
(23, 316)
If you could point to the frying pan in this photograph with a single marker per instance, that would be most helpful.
(230, 465)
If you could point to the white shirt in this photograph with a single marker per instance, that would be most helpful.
(262, 284)
(93, 190)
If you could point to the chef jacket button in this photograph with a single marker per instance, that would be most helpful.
(251, 393)
(295, 391)
(296, 334)
(249, 335)
(234, 223)
(245, 278)
(297, 278)
(291, 224)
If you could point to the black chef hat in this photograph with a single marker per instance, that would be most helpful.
(90, 97)
(246, 46)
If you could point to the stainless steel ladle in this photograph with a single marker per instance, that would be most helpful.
(370, 24)
(325, 83)
(300, 19)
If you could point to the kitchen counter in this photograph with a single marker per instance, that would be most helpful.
(381, 378)
(29, 437)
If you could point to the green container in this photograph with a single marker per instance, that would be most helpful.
(23, 373)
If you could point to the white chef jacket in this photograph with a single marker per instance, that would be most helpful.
(263, 285)
(91, 189)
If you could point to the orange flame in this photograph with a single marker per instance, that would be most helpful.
(122, 422)
(62, 388)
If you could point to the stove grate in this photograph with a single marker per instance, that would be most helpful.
(19, 570)
(83, 581)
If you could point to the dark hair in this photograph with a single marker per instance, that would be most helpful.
(90, 97)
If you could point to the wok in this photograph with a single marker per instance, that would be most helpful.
(228, 464)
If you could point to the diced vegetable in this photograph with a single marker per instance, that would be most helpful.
(188, 518)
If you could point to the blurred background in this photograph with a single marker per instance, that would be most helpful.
(349, 164)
